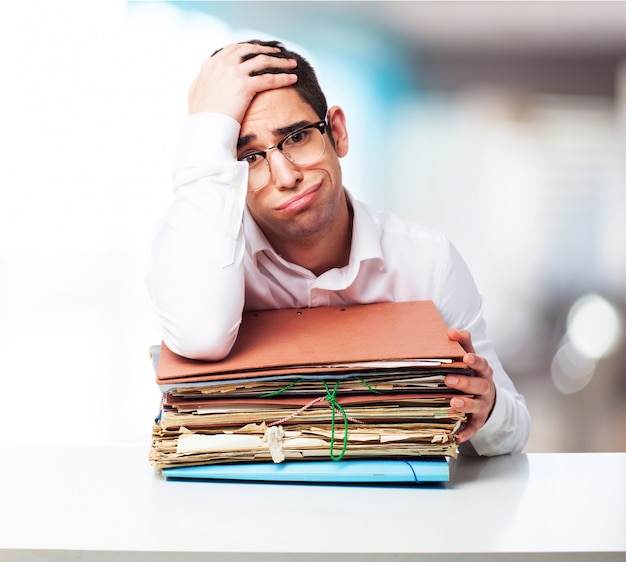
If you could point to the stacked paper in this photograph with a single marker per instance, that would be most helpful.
(352, 382)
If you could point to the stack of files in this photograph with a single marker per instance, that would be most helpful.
(347, 384)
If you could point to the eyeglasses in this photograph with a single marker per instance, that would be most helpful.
(302, 147)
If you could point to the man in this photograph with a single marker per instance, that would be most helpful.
(261, 220)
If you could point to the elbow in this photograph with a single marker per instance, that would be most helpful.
(210, 344)
(204, 331)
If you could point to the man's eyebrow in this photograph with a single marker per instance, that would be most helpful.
(282, 131)
(279, 132)
(243, 141)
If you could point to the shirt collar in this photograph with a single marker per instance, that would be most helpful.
(366, 234)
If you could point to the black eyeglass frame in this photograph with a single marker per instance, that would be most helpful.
(320, 126)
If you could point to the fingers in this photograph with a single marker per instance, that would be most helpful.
(272, 81)
(477, 385)
(477, 410)
(474, 423)
(257, 58)
(463, 337)
(229, 80)
(478, 397)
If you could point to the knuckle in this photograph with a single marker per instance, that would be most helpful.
(485, 386)
(463, 383)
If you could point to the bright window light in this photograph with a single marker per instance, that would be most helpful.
(594, 326)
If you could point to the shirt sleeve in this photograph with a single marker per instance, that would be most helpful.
(195, 274)
(460, 304)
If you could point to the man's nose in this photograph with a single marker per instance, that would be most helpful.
(284, 173)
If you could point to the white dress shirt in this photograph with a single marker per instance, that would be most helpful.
(210, 261)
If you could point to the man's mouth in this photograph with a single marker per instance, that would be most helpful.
(299, 201)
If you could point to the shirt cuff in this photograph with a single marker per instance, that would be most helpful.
(499, 435)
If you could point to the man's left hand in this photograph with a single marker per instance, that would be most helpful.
(480, 386)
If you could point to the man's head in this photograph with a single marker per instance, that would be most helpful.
(300, 206)
(307, 86)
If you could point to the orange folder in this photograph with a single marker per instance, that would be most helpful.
(324, 339)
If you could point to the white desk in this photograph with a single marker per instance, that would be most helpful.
(107, 503)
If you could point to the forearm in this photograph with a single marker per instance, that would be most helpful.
(195, 275)
(504, 424)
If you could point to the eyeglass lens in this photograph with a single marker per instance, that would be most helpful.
(302, 148)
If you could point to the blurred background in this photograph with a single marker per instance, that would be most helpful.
(502, 124)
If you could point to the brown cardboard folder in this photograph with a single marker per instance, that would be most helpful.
(275, 342)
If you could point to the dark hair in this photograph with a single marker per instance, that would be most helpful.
(307, 86)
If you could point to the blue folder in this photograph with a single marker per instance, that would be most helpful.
(345, 471)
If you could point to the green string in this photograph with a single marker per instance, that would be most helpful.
(330, 398)
(275, 392)
(368, 386)
(334, 405)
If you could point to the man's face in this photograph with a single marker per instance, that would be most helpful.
(298, 202)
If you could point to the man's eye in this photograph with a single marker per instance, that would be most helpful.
(251, 158)
(298, 137)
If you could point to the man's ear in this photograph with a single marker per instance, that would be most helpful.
(337, 122)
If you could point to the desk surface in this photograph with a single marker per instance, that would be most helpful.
(108, 503)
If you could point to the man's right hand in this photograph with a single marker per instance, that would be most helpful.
(224, 84)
